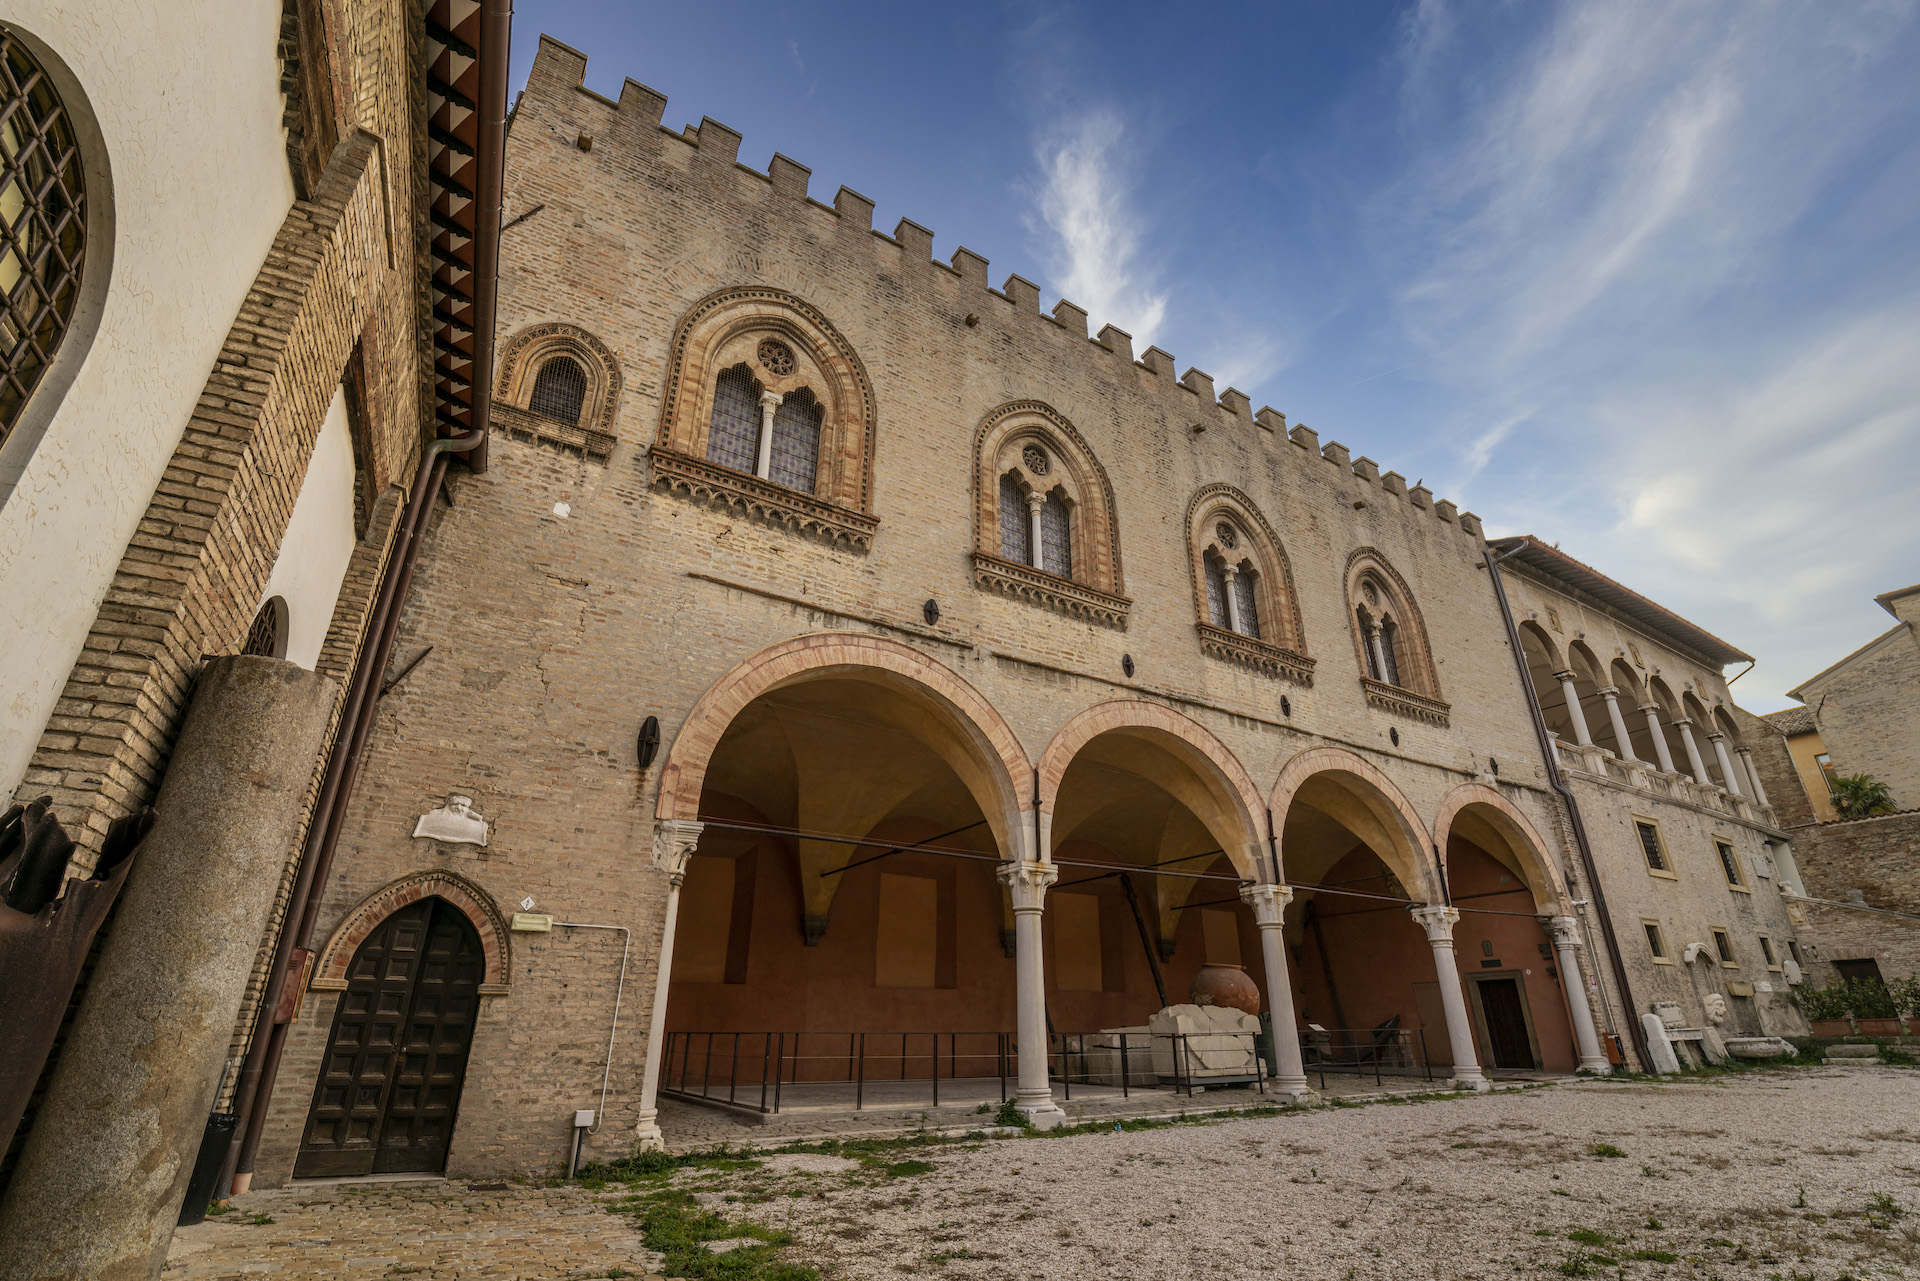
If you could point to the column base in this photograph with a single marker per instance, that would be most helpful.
(1471, 1081)
(1597, 1066)
(1042, 1112)
(646, 1132)
(1295, 1091)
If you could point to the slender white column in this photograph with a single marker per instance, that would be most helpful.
(1565, 933)
(1034, 503)
(1578, 717)
(1438, 923)
(1233, 600)
(1700, 775)
(763, 465)
(1753, 775)
(1620, 735)
(1269, 904)
(673, 842)
(1379, 655)
(1659, 737)
(1027, 883)
(1719, 742)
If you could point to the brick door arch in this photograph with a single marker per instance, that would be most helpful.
(396, 1058)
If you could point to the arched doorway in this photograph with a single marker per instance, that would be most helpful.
(389, 1087)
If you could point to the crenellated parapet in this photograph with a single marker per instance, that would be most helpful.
(635, 120)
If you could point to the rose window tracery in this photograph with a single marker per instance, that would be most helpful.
(1036, 460)
(1224, 532)
(776, 357)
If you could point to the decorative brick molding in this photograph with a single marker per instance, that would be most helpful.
(189, 582)
(1542, 872)
(1038, 587)
(1378, 794)
(1188, 739)
(524, 424)
(532, 347)
(1404, 702)
(330, 969)
(1413, 654)
(1004, 444)
(1281, 647)
(725, 328)
(683, 774)
(718, 486)
(1270, 660)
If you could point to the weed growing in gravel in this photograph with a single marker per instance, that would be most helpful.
(1654, 1256)
(1606, 1149)
(1587, 1236)
(260, 1220)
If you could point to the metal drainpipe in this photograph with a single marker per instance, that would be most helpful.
(1559, 784)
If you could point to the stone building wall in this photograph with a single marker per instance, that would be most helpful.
(1868, 710)
(567, 598)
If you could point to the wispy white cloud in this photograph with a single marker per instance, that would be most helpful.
(1611, 234)
(1094, 231)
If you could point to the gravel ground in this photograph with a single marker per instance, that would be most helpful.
(1770, 1175)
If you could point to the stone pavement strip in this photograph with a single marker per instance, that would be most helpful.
(429, 1230)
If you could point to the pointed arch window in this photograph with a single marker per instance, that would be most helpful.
(1247, 597)
(560, 390)
(1390, 640)
(1056, 536)
(1016, 531)
(1217, 592)
(1374, 668)
(796, 441)
(733, 439)
(1244, 606)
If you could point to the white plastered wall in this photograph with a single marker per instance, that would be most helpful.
(319, 541)
(187, 99)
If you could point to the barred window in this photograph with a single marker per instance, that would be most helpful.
(560, 390)
(1216, 592)
(1389, 647)
(733, 439)
(1655, 944)
(796, 441)
(1650, 845)
(1729, 862)
(1016, 535)
(1247, 600)
(267, 637)
(1366, 644)
(1723, 944)
(43, 225)
(1056, 536)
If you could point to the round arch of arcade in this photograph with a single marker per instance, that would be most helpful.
(1378, 793)
(1549, 889)
(472, 902)
(1233, 787)
(683, 776)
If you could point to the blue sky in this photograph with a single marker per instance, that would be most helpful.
(1640, 278)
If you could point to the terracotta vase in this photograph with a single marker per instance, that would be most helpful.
(1225, 985)
(1831, 1027)
(1880, 1027)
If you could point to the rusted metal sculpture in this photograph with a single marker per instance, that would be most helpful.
(44, 935)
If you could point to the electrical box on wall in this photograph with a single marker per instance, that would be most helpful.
(532, 922)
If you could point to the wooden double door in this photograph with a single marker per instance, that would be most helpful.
(396, 1057)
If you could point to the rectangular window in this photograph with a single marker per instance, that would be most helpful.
(1723, 944)
(1766, 951)
(1655, 943)
(1730, 864)
(1825, 762)
(1650, 846)
(1793, 950)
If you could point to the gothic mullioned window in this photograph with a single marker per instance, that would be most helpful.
(560, 390)
(1044, 526)
(733, 439)
(1390, 641)
(1243, 586)
(43, 225)
(796, 441)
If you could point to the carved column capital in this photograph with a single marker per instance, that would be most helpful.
(1567, 676)
(771, 399)
(1608, 692)
(1269, 902)
(1036, 500)
(1683, 722)
(1028, 883)
(673, 843)
(1437, 920)
(1563, 930)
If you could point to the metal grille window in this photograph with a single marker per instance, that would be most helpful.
(263, 638)
(1729, 863)
(1216, 592)
(1366, 643)
(1650, 845)
(1016, 536)
(1655, 944)
(560, 390)
(1766, 950)
(733, 438)
(1245, 598)
(1389, 651)
(1056, 537)
(43, 225)
(796, 442)
(1723, 944)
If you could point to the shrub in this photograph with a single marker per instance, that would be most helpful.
(1906, 995)
(1869, 999)
(1861, 796)
(1829, 1002)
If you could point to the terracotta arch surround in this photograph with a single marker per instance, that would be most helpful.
(1550, 891)
(527, 351)
(683, 776)
(1379, 791)
(1375, 587)
(1190, 740)
(1224, 523)
(330, 968)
